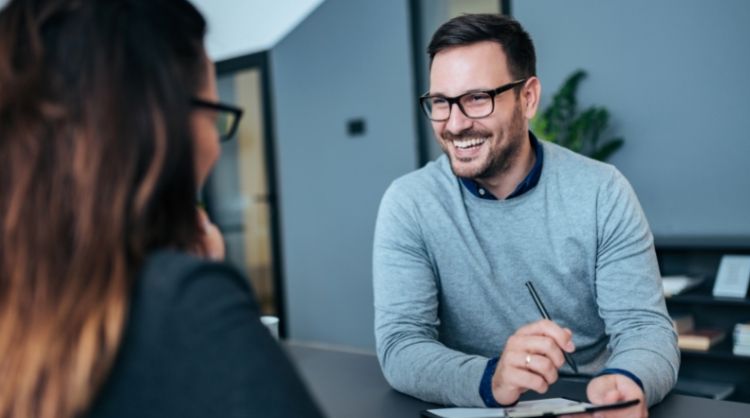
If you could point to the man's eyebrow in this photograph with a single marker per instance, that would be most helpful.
(477, 90)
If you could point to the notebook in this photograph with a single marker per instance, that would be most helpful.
(527, 409)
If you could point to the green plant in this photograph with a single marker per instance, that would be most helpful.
(561, 123)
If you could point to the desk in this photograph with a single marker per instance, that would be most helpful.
(348, 385)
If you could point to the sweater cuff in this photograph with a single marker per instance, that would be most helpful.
(622, 372)
(485, 386)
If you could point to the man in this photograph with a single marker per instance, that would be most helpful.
(456, 241)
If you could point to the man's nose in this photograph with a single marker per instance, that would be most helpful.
(457, 122)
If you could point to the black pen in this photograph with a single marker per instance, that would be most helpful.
(545, 315)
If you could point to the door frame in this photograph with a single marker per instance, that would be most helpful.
(261, 62)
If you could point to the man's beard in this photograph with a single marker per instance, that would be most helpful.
(499, 160)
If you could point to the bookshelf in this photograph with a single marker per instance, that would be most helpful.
(701, 256)
(691, 298)
(722, 351)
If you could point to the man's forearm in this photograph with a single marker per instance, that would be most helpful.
(420, 366)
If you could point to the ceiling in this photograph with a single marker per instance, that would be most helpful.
(242, 27)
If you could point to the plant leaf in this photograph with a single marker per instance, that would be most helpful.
(561, 123)
(609, 148)
(562, 110)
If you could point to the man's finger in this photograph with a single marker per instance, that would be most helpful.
(613, 395)
(540, 365)
(542, 345)
(527, 380)
(562, 336)
(598, 389)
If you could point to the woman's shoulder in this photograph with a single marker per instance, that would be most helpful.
(175, 293)
(185, 313)
(167, 270)
(171, 279)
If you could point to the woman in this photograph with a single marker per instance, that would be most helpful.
(106, 133)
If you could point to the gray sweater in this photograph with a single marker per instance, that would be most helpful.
(449, 271)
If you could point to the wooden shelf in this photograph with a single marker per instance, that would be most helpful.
(704, 243)
(722, 351)
(701, 298)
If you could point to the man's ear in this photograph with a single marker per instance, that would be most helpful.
(530, 95)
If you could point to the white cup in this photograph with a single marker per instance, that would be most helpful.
(272, 323)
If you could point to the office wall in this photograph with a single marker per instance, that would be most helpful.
(350, 59)
(674, 74)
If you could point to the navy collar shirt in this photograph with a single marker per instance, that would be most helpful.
(524, 186)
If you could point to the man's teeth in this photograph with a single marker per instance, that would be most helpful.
(466, 143)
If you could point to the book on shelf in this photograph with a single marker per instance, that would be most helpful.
(700, 340)
(683, 323)
(674, 285)
(733, 277)
(742, 339)
(741, 349)
(742, 328)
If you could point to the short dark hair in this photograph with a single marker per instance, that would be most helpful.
(472, 28)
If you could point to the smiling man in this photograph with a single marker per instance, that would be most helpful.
(456, 241)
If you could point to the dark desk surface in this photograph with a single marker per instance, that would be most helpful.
(350, 385)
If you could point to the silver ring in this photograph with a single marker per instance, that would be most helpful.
(528, 360)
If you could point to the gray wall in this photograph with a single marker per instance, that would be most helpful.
(349, 59)
(433, 13)
(674, 75)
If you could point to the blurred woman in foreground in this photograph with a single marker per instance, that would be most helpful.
(107, 129)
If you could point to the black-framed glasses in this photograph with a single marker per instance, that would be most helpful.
(228, 117)
(474, 104)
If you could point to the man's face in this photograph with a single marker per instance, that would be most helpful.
(486, 147)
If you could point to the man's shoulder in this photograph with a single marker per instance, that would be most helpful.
(433, 179)
(576, 168)
(584, 178)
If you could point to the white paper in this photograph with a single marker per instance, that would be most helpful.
(469, 412)
(522, 409)
(546, 406)
(674, 285)
(733, 277)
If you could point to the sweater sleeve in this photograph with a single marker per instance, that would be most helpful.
(412, 358)
(225, 362)
(629, 292)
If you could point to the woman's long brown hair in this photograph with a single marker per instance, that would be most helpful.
(96, 171)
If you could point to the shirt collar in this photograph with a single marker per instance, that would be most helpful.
(524, 186)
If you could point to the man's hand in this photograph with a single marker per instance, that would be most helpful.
(530, 360)
(211, 245)
(615, 388)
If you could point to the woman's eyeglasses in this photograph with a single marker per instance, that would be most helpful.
(228, 117)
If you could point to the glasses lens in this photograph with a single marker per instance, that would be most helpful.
(476, 105)
(473, 105)
(225, 122)
(436, 108)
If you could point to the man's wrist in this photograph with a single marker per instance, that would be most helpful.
(485, 386)
(623, 372)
